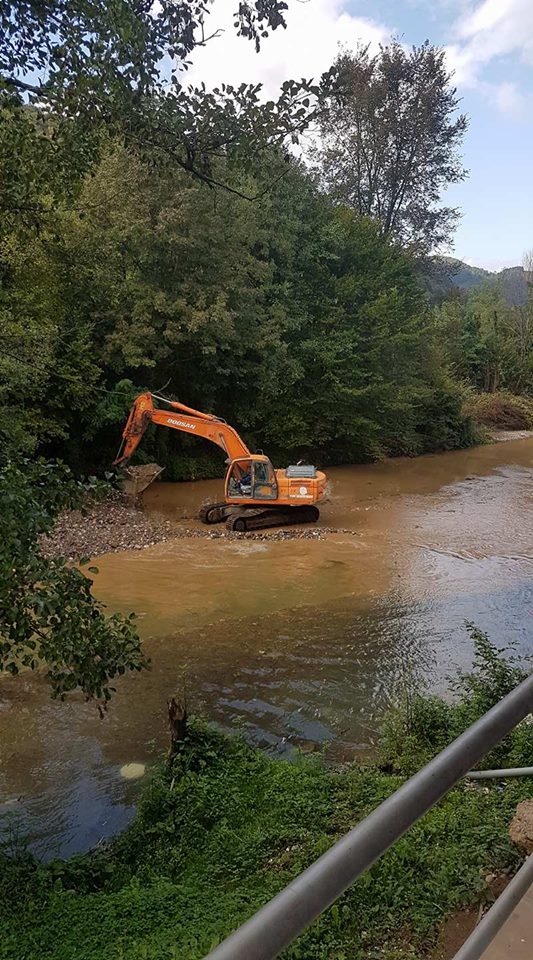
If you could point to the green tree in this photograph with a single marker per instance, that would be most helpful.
(48, 615)
(369, 374)
(488, 343)
(146, 280)
(458, 328)
(291, 317)
(518, 332)
(389, 139)
(70, 71)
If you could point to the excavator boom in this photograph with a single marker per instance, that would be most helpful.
(182, 418)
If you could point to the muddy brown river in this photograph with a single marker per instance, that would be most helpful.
(299, 643)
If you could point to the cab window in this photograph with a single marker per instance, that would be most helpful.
(265, 486)
(240, 479)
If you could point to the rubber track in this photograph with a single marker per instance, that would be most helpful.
(208, 509)
(282, 517)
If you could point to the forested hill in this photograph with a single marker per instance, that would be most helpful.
(511, 283)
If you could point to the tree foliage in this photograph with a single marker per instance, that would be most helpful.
(290, 317)
(488, 342)
(91, 67)
(389, 134)
(48, 615)
(86, 47)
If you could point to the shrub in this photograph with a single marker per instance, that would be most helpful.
(421, 726)
(502, 410)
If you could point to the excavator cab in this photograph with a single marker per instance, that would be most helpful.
(251, 478)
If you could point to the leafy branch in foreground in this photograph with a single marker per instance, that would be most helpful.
(70, 72)
(70, 49)
(48, 615)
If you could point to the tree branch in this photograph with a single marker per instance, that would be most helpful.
(43, 88)
(212, 182)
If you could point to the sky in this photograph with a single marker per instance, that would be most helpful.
(489, 45)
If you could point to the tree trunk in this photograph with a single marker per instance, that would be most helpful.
(177, 721)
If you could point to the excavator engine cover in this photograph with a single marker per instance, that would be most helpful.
(301, 471)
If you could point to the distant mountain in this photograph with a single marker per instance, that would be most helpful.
(447, 274)
(463, 275)
(513, 283)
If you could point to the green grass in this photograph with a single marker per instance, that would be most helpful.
(228, 826)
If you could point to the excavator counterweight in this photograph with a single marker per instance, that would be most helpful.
(256, 495)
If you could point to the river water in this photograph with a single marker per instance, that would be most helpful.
(297, 642)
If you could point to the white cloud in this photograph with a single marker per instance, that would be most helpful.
(305, 49)
(509, 99)
(483, 33)
(492, 30)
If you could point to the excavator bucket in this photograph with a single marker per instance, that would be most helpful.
(135, 480)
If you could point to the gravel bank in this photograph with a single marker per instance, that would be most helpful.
(104, 527)
(119, 524)
(292, 533)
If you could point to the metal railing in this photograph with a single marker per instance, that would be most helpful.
(281, 920)
(494, 919)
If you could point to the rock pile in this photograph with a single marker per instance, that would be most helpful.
(104, 527)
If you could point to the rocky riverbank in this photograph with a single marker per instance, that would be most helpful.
(105, 526)
(118, 523)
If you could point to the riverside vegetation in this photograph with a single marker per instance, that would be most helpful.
(301, 315)
(155, 235)
(132, 255)
(223, 827)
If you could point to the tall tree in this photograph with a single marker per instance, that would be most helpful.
(389, 141)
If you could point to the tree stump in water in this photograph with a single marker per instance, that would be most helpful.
(177, 721)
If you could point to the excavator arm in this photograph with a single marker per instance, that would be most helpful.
(179, 417)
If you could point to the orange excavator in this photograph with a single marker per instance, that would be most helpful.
(256, 495)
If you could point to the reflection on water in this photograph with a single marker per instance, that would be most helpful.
(297, 642)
